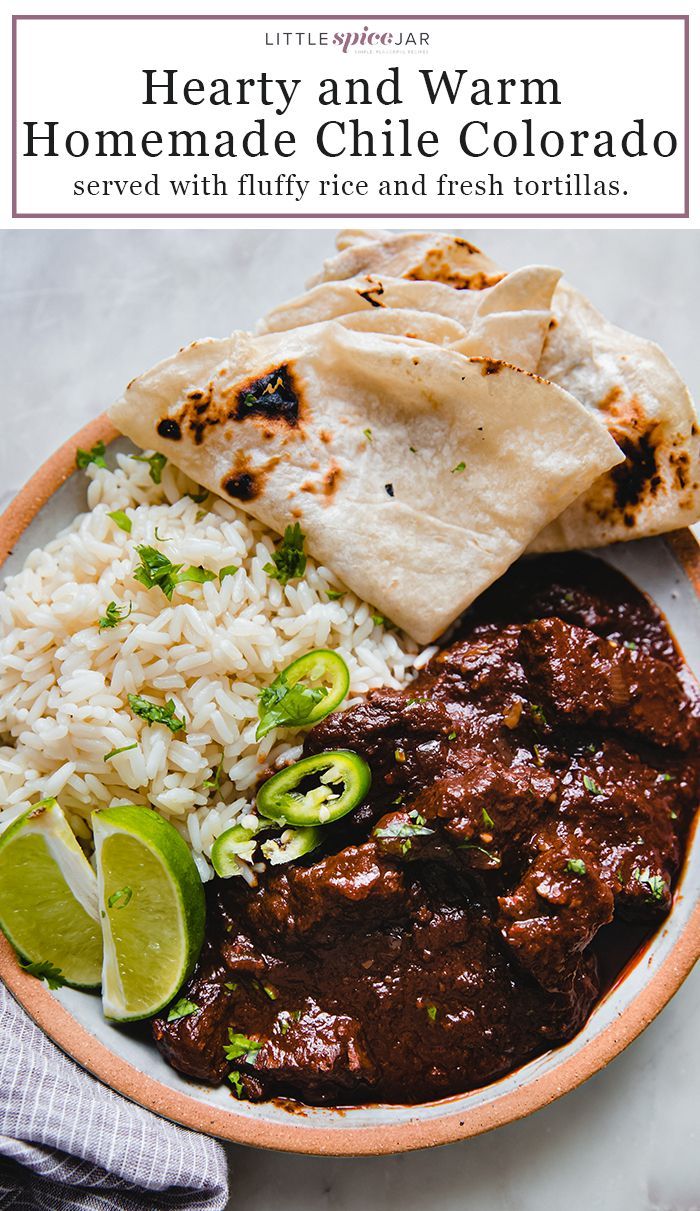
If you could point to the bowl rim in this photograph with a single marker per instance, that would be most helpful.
(180, 1107)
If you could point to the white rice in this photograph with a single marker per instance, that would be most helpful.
(64, 683)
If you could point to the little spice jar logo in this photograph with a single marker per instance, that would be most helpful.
(364, 41)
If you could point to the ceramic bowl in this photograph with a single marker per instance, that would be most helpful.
(668, 570)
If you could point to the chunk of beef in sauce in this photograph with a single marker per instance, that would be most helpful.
(531, 793)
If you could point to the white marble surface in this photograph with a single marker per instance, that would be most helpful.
(81, 313)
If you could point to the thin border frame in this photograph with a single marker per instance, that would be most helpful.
(447, 216)
(64, 1030)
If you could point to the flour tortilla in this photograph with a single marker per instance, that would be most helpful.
(625, 381)
(327, 442)
(420, 256)
(507, 321)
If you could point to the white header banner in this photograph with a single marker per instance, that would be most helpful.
(191, 117)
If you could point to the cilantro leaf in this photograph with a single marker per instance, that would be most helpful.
(95, 455)
(156, 462)
(157, 571)
(283, 705)
(334, 594)
(113, 615)
(44, 970)
(240, 1045)
(576, 866)
(488, 822)
(120, 519)
(289, 561)
(654, 884)
(229, 570)
(116, 751)
(431, 1011)
(152, 713)
(235, 1079)
(538, 715)
(120, 899)
(460, 467)
(213, 783)
(182, 1009)
(405, 830)
(591, 786)
(368, 434)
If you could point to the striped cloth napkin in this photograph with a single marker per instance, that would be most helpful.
(67, 1142)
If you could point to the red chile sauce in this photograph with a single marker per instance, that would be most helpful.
(531, 797)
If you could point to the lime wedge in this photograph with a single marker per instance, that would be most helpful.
(152, 910)
(48, 896)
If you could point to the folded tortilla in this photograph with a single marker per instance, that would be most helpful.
(417, 474)
(508, 320)
(628, 384)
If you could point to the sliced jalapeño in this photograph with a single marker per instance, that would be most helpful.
(315, 790)
(303, 693)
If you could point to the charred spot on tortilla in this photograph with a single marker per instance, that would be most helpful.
(389, 489)
(169, 428)
(460, 242)
(243, 485)
(331, 479)
(638, 475)
(273, 396)
(370, 292)
(491, 366)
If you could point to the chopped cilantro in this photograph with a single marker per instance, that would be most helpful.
(289, 561)
(232, 986)
(537, 748)
(44, 970)
(113, 615)
(493, 858)
(413, 449)
(95, 455)
(654, 884)
(152, 713)
(368, 434)
(379, 620)
(156, 462)
(182, 1009)
(486, 818)
(283, 705)
(431, 1011)
(334, 594)
(538, 715)
(116, 751)
(668, 778)
(229, 570)
(213, 783)
(630, 645)
(591, 786)
(120, 519)
(120, 899)
(157, 571)
(575, 866)
(452, 736)
(235, 1079)
(240, 1045)
(415, 826)
(460, 467)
